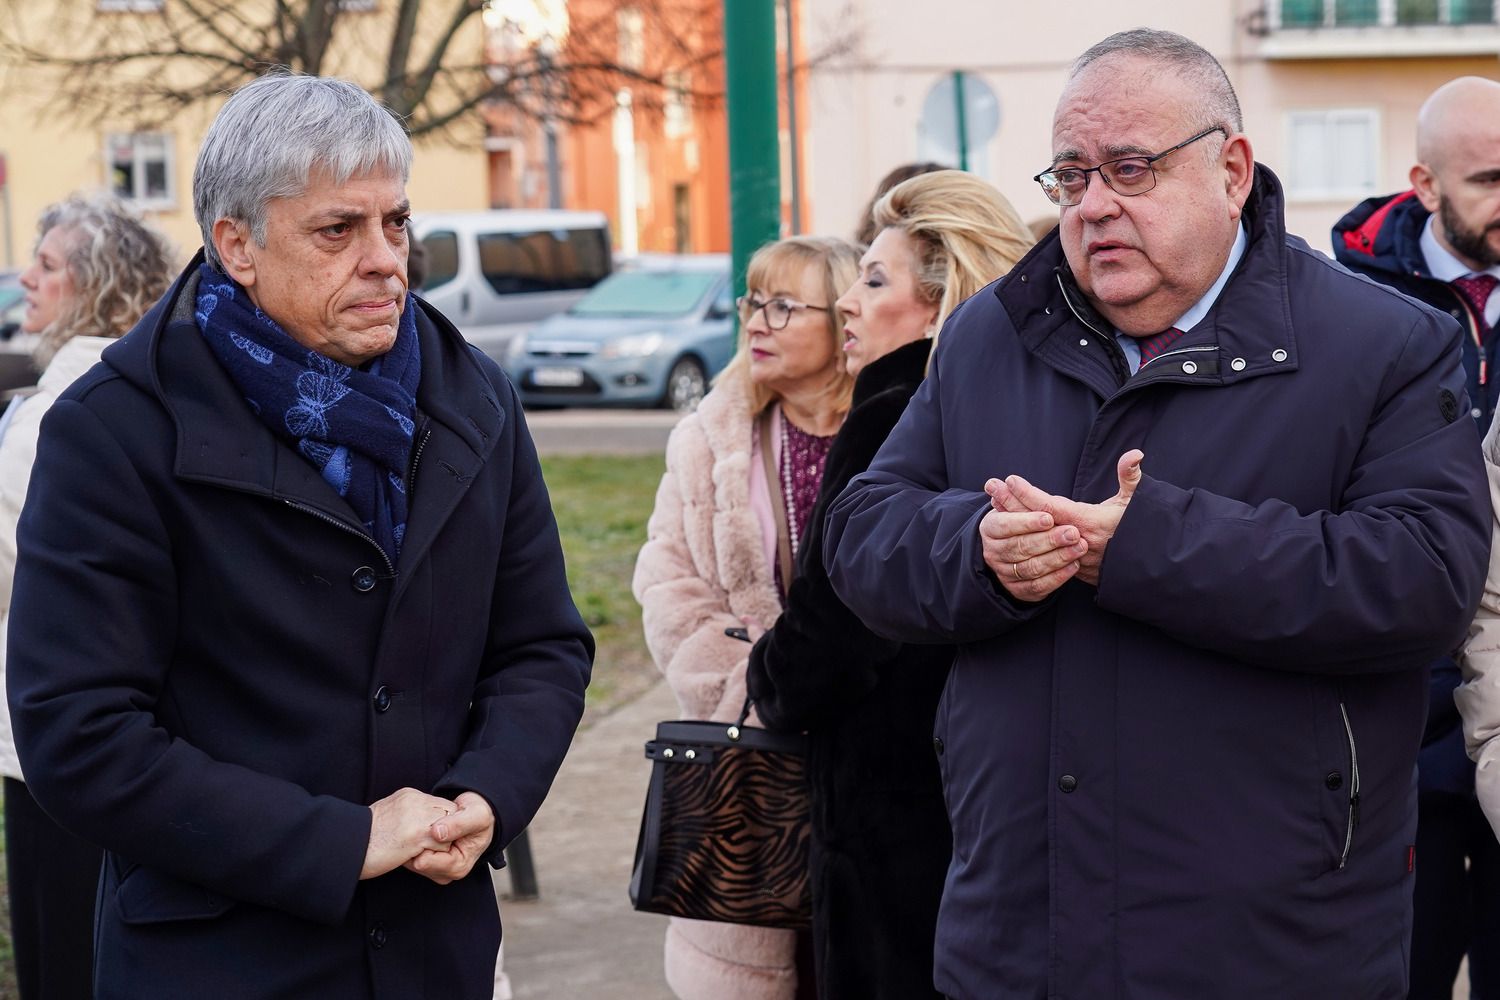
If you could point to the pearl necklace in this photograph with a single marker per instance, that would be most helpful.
(786, 485)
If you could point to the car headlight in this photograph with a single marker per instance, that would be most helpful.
(637, 345)
(514, 351)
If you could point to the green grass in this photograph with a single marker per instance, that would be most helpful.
(602, 504)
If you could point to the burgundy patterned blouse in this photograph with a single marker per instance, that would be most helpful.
(803, 456)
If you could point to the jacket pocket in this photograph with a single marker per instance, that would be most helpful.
(1352, 815)
(148, 896)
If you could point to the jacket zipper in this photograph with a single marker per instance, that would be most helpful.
(416, 456)
(390, 569)
(1198, 349)
(1353, 788)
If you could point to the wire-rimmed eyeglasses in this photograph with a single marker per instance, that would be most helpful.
(778, 310)
(1128, 176)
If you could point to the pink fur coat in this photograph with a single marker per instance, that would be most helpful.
(703, 567)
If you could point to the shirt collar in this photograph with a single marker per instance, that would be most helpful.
(1442, 264)
(1200, 309)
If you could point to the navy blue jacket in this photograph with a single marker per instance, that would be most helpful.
(213, 671)
(1381, 238)
(1196, 780)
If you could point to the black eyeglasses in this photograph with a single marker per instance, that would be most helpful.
(778, 311)
(1128, 176)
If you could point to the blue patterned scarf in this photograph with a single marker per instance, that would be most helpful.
(354, 426)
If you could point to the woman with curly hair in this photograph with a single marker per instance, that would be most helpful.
(95, 272)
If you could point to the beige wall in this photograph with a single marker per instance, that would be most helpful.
(865, 108)
(48, 158)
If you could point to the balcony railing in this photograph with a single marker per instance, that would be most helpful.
(1379, 13)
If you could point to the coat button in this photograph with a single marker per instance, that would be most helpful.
(937, 745)
(382, 699)
(363, 579)
(1334, 781)
(1189, 367)
(1238, 364)
(1067, 783)
(377, 936)
(1278, 355)
(1476, 413)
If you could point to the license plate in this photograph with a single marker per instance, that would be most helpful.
(558, 378)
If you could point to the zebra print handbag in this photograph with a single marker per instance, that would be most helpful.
(725, 831)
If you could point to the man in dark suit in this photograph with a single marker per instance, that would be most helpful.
(291, 637)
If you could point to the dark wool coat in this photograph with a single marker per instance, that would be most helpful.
(213, 671)
(881, 843)
(1197, 779)
(1381, 238)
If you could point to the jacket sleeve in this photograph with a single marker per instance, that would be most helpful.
(528, 699)
(17, 454)
(684, 611)
(1388, 580)
(1478, 698)
(902, 549)
(819, 655)
(92, 632)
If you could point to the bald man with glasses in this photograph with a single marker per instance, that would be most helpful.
(1198, 507)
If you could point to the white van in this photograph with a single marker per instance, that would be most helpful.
(496, 274)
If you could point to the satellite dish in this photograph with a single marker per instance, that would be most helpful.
(950, 136)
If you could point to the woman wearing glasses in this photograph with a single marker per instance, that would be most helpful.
(881, 842)
(732, 513)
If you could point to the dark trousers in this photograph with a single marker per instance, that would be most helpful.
(1456, 901)
(54, 880)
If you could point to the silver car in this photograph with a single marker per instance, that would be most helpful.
(650, 335)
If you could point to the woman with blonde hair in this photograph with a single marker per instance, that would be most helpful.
(733, 511)
(95, 272)
(881, 842)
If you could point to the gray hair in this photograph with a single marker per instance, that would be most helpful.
(119, 266)
(270, 136)
(1191, 61)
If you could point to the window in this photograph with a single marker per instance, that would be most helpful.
(631, 27)
(678, 112)
(1384, 13)
(550, 261)
(140, 166)
(1332, 154)
(357, 6)
(442, 258)
(130, 6)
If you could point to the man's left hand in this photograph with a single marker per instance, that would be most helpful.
(467, 833)
(1096, 522)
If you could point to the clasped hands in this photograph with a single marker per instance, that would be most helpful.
(1035, 542)
(429, 835)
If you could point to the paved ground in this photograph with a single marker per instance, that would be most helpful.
(601, 432)
(581, 939)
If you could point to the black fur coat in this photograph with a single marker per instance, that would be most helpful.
(881, 841)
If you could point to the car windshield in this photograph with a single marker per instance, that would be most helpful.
(646, 293)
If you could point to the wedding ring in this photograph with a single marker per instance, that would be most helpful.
(1015, 569)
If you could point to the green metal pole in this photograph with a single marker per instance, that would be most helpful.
(754, 150)
(961, 118)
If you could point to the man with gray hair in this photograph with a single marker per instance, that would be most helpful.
(1198, 507)
(291, 636)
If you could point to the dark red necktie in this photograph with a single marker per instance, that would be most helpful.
(1154, 347)
(1476, 289)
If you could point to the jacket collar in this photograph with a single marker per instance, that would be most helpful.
(906, 365)
(1383, 234)
(220, 442)
(1248, 331)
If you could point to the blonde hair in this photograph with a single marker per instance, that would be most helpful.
(964, 234)
(119, 266)
(838, 260)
